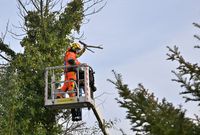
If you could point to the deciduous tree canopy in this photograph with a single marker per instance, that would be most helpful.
(47, 27)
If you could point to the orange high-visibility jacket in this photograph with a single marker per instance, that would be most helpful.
(71, 59)
(72, 56)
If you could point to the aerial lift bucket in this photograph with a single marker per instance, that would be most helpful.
(81, 100)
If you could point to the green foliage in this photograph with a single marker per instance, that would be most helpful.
(22, 108)
(9, 96)
(9, 52)
(151, 117)
(188, 75)
(47, 27)
(73, 14)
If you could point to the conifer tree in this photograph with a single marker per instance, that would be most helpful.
(149, 116)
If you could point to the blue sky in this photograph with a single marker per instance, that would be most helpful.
(134, 34)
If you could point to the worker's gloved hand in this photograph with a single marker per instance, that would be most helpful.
(85, 46)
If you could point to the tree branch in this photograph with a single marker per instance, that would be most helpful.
(4, 35)
(4, 58)
(4, 48)
(35, 5)
(95, 2)
(22, 5)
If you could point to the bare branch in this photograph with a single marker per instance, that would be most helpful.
(96, 11)
(22, 5)
(86, 1)
(95, 2)
(62, 6)
(16, 36)
(41, 9)
(73, 127)
(66, 121)
(4, 58)
(34, 4)
(74, 37)
(6, 31)
(86, 20)
(104, 93)
(197, 37)
(197, 46)
(21, 13)
(54, 4)
(22, 27)
(196, 25)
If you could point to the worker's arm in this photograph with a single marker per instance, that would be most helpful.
(81, 52)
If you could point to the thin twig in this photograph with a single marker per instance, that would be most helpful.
(35, 4)
(22, 6)
(4, 58)
(4, 35)
(92, 5)
(104, 93)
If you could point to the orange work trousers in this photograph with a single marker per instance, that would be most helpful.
(69, 85)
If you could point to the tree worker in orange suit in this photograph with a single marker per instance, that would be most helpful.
(71, 55)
